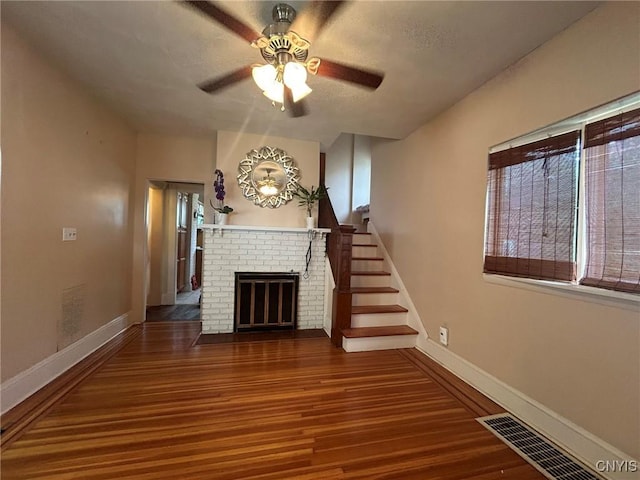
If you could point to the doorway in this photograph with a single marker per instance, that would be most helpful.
(173, 273)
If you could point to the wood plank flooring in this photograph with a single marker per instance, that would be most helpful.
(164, 408)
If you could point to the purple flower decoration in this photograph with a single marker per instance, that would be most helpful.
(218, 186)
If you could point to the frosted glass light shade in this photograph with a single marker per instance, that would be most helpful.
(275, 92)
(264, 76)
(295, 75)
(300, 91)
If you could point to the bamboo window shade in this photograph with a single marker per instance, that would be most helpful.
(612, 198)
(532, 209)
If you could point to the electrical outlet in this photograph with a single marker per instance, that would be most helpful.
(444, 336)
(69, 234)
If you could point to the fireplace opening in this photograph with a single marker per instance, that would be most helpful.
(266, 301)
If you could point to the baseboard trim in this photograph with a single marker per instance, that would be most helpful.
(28, 382)
(329, 285)
(582, 444)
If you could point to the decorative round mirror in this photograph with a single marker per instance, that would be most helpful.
(268, 177)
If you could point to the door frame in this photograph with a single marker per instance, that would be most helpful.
(170, 252)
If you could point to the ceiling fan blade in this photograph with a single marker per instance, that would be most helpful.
(225, 19)
(340, 71)
(294, 109)
(310, 21)
(212, 86)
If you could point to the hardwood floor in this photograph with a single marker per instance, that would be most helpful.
(258, 336)
(163, 407)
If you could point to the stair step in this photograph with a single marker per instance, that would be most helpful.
(363, 251)
(367, 264)
(373, 278)
(365, 332)
(356, 290)
(365, 238)
(373, 294)
(373, 273)
(364, 309)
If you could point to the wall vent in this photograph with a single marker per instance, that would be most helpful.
(546, 457)
(70, 323)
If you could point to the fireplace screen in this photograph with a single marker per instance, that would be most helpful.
(266, 301)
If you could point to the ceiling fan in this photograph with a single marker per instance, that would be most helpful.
(286, 53)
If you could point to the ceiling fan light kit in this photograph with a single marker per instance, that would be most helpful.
(272, 80)
(283, 78)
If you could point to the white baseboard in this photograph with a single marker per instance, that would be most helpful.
(585, 446)
(329, 285)
(26, 383)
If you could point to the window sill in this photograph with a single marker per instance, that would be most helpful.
(610, 298)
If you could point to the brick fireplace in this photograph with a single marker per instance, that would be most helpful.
(230, 249)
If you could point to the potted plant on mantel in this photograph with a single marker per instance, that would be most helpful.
(308, 198)
(222, 210)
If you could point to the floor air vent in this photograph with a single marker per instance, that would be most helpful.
(552, 462)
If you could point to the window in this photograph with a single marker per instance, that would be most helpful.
(612, 201)
(532, 209)
(534, 216)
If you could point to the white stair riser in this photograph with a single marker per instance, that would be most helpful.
(364, 251)
(378, 319)
(378, 343)
(374, 299)
(368, 239)
(367, 265)
(370, 280)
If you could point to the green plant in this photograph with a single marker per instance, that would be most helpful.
(224, 209)
(308, 198)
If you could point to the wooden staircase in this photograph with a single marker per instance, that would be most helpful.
(377, 321)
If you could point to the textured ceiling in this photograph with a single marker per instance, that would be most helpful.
(145, 58)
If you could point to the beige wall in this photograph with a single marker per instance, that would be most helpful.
(348, 175)
(155, 244)
(68, 162)
(167, 158)
(361, 171)
(339, 175)
(578, 358)
(233, 147)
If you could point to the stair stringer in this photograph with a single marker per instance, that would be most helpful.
(404, 299)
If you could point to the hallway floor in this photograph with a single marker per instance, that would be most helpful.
(173, 313)
(187, 308)
(191, 297)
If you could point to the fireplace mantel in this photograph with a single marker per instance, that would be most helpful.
(229, 249)
(213, 226)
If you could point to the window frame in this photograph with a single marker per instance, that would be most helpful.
(571, 289)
